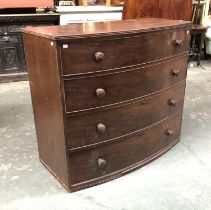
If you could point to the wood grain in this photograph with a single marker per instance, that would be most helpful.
(100, 29)
(118, 156)
(47, 105)
(141, 113)
(167, 9)
(107, 97)
(123, 86)
(122, 52)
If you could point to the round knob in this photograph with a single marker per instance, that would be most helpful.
(101, 128)
(100, 93)
(175, 72)
(101, 163)
(99, 56)
(178, 42)
(169, 132)
(172, 102)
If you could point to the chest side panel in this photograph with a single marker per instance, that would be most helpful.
(42, 64)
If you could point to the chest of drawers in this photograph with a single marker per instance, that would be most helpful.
(107, 97)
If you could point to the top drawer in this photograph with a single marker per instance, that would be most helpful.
(91, 56)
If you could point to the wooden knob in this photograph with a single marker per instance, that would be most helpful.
(101, 163)
(175, 72)
(172, 102)
(100, 93)
(101, 128)
(178, 42)
(169, 132)
(99, 56)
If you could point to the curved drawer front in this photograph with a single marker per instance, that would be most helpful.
(100, 126)
(91, 56)
(123, 86)
(122, 156)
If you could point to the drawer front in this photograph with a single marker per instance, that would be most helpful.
(116, 157)
(92, 56)
(95, 127)
(123, 86)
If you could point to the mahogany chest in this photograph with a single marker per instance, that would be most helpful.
(107, 97)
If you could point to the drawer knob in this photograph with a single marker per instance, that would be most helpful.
(100, 93)
(178, 42)
(169, 132)
(101, 128)
(101, 163)
(175, 72)
(172, 102)
(99, 56)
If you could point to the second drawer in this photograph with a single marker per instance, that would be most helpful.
(96, 127)
(113, 88)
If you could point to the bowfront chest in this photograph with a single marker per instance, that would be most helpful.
(107, 97)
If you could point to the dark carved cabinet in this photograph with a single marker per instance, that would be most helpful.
(107, 97)
(12, 54)
(12, 59)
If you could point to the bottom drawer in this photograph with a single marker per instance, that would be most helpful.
(113, 159)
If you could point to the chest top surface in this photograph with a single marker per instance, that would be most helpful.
(86, 30)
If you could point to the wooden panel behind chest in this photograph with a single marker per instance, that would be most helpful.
(168, 9)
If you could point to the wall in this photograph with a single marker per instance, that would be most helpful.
(25, 3)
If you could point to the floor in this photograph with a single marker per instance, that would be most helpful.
(179, 180)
